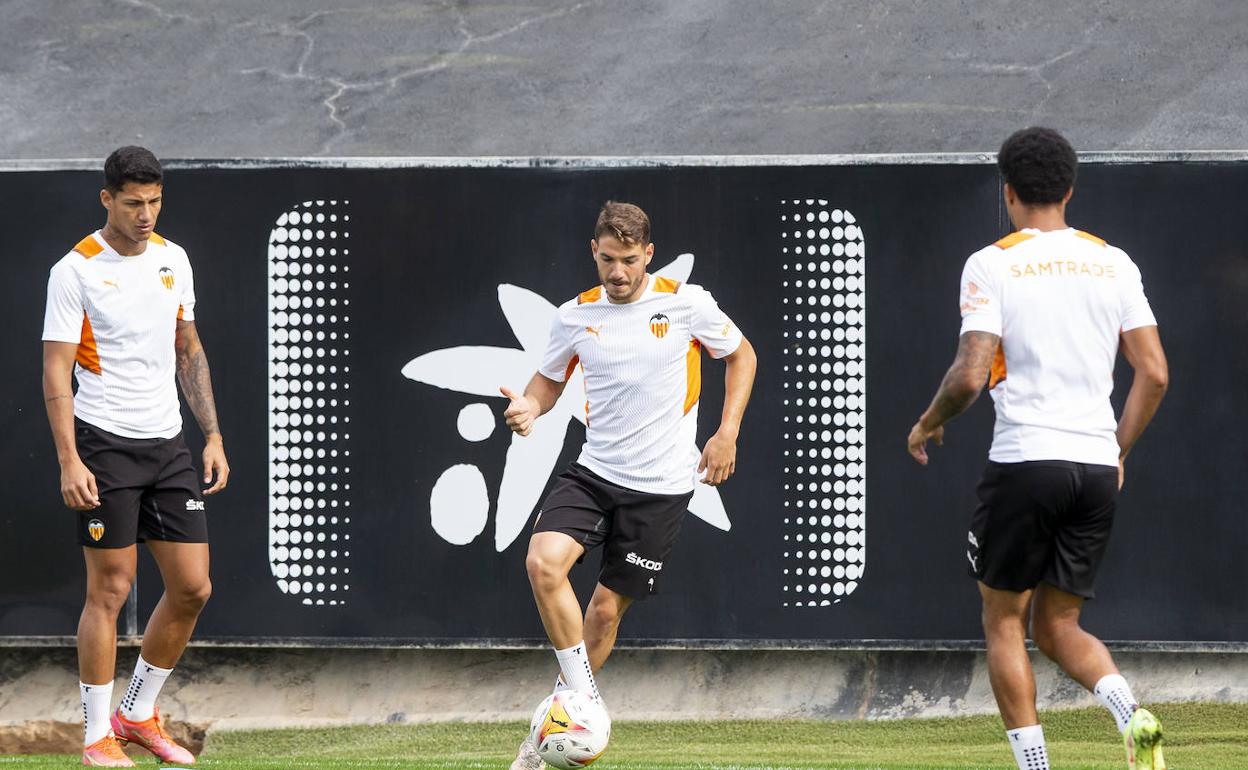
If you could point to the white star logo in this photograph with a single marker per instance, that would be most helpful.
(459, 503)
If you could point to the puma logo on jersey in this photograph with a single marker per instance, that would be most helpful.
(194, 505)
(593, 331)
(166, 277)
(111, 283)
(650, 564)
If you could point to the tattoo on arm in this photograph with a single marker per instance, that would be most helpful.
(965, 378)
(195, 379)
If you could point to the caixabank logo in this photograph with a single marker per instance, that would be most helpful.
(459, 505)
(818, 522)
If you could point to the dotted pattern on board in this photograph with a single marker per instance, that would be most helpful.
(825, 426)
(309, 402)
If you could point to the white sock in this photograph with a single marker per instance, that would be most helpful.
(1115, 694)
(1029, 749)
(139, 702)
(96, 701)
(577, 674)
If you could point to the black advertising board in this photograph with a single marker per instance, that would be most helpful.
(359, 321)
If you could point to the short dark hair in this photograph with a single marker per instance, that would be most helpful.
(625, 222)
(1039, 164)
(131, 164)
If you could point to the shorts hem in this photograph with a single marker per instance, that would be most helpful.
(1085, 594)
(171, 540)
(576, 535)
(607, 581)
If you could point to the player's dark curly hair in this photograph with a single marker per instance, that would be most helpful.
(1039, 164)
(131, 164)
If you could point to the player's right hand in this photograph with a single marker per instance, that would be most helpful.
(916, 443)
(78, 486)
(520, 413)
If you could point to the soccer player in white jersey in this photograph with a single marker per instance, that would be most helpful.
(120, 319)
(1045, 311)
(638, 338)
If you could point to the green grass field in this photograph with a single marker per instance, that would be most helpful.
(1198, 737)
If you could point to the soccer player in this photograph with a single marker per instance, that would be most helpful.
(121, 319)
(638, 338)
(1045, 311)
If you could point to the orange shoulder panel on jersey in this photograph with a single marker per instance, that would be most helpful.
(593, 295)
(88, 247)
(156, 238)
(997, 372)
(571, 367)
(1091, 237)
(1013, 239)
(666, 285)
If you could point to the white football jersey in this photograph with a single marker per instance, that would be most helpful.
(1059, 301)
(643, 375)
(122, 312)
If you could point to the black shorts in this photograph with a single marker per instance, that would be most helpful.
(148, 490)
(637, 530)
(1042, 521)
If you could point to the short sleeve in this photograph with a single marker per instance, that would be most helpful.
(710, 325)
(63, 315)
(186, 302)
(559, 359)
(1135, 310)
(980, 298)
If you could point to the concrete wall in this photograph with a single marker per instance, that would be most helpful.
(247, 688)
(590, 77)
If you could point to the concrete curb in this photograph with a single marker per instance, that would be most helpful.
(252, 688)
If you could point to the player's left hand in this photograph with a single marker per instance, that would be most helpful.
(215, 465)
(917, 443)
(719, 459)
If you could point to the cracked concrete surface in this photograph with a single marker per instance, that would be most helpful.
(242, 78)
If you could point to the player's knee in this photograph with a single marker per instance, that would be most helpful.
(1042, 634)
(544, 573)
(602, 615)
(1046, 630)
(192, 597)
(109, 593)
(1003, 626)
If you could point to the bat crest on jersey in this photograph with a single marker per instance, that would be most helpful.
(166, 277)
(659, 324)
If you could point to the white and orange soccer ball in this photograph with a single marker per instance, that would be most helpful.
(570, 729)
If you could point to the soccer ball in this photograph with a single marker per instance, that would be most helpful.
(570, 729)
